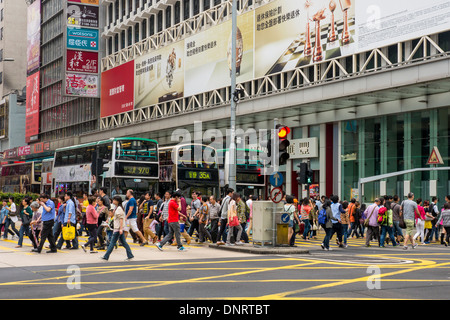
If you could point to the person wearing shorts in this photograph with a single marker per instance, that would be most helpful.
(131, 217)
(409, 210)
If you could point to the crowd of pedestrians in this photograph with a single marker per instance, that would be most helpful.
(169, 219)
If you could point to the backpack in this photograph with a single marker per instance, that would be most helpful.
(383, 215)
(322, 218)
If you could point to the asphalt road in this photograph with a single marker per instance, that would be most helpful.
(202, 273)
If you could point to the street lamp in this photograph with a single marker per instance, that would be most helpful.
(232, 162)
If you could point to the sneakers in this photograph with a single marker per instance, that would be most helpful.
(83, 247)
(228, 244)
(129, 259)
(181, 249)
(415, 246)
(159, 247)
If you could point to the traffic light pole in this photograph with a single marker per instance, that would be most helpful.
(232, 153)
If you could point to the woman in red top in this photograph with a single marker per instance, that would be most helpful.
(420, 222)
(91, 221)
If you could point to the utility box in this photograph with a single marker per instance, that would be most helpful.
(264, 222)
(282, 222)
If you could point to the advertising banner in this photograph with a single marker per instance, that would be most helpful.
(291, 33)
(82, 61)
(82, 38)
(208, 56)
(32, 107)
(33, 36)
(93, 2)
(82, 85)
(384, 22)
(82, 15)
(117, 93)
(159, 75)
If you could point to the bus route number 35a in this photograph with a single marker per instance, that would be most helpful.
(198, 175)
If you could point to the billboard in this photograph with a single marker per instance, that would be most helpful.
(117, 93)
(93, 2)
(388, 22)
(159, 75)
(82, 38)
(82, 85)
(82, 15)
(82, 61)
(208, 56)
(32, 107)
(280, 36)
(33, 36)
(291, 33)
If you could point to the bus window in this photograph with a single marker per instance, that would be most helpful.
(136, 150)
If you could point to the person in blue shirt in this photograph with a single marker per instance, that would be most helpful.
(48, 220)
(70, 216)
(3, 216)
(131, 209)
(336, 209)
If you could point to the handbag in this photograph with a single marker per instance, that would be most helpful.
(26, 219)
(68, 232)
(366, 222)
(234, 222)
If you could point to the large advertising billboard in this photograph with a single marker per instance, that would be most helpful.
(82, 85)
(82, 38)
(33, 36)
(117, 93)
(280, 36)
(82, 61)
(159, 75)
(385, 22)
(208, 56)
(32, 107)
(291, 33)
(79, 15)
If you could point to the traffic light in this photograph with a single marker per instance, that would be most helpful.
(283, 143)
(301, 174)
(101, 168)
(94, 164)
(309, 176)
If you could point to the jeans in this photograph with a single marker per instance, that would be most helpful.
(397, 229)
(307, 227)
(117, 236)
(353, 230)
(92, 235)
(24, 229)
(390, 230)
(345, 232)
(337, 228)
(204, 233)
(194, 225)
(174, 229)
(214, 230)
(8, 222)
(326, 239)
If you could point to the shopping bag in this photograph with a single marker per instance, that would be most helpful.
(68, 232)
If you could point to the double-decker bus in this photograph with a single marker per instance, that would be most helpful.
(132, 164)
(21, 177)
(188, 168)
(250, 178)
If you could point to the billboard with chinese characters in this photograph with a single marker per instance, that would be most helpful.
(82, 85)
(159, 75)
(117, 93)
(33, 36)
(32, 107)
(80, 15)
(208, 56)
(82, 38)
(82, 61)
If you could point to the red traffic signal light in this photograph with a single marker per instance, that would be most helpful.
(283, 132)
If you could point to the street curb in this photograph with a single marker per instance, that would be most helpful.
(249, 248)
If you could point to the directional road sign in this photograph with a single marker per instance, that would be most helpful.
(276, 195)
(276, 179)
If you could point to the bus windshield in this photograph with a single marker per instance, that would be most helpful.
(136, 150)
(197, 156)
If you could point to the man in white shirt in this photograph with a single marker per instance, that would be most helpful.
(224, 216)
